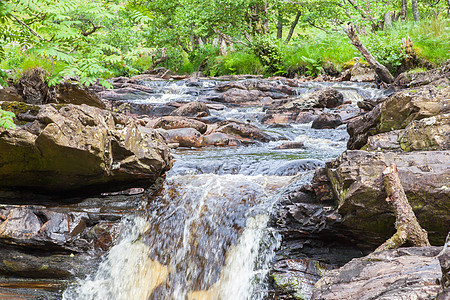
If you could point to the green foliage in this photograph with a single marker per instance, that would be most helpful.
(7, 119)
(269, 53)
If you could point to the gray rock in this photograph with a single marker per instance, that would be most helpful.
(405, 273)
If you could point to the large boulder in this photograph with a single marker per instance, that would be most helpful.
(68, 147)
(356, 179)
(405, 273)
(327, 97)
(398, 111)
(243, 131)
(327, 121)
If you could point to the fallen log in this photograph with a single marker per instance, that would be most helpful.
(408, 228)
(382, 72)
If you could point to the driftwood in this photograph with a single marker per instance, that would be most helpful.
(408, 228)
(381, 70)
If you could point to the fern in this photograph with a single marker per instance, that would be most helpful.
(7, 119)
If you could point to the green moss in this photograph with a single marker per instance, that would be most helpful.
(20, 108)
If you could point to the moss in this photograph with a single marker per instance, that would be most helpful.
(20, 108)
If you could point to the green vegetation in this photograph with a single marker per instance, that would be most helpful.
(100, 39)
(6, 119)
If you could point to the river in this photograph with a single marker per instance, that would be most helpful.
(205, 235)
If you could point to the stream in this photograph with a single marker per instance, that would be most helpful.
(205, 235)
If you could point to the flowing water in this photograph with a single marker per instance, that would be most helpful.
(205, 235)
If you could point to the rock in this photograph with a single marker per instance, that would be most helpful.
(173, 122)
(360, 72)
(9, 94)
(444, 260)
(295, 278)
(327, 121)
(239, 96)
(220, 139)
(328, 97)
(424, 78)
(33, 89)
(184, 137)
(73, 93)
(46, 154)
(356, 178)
(405, 273)
(427, 134)
(398, 111)
(243, 130)
(387, 141)
(190, 109)
(290, 145)
(305, 117)
(257, 85)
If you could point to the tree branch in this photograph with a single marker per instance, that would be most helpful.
(408, 228)
(28, 27)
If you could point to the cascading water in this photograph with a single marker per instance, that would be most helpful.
(205, 235)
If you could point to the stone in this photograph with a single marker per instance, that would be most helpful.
(356, 179)
(360, 72)
(74, 93)
(9, 94)
(184, 137)
(327, 121)
(239, 96)
(387, 141)
(444, 261)
(32, 86)
(190, 109)
(220, 139)
(427, 134)
(45, 155)
(398, 111)
(243, 131)
(404, 273)
(305, 117)
(290, 145)
(174, 122)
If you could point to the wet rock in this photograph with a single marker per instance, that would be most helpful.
(290, 145)
(257, 85)
(184, 137)
(294, 167)
(191, 109)
(239, 96)
(111, 146)
(280, 116)
(305, 117)
(427, 134)
(327, 121)
(328, 97)
(243, 130)
(392, 274)
(211, 120)
(220, 139)
(295, 278)
(356, 178)
(424, 78)
(172, 122)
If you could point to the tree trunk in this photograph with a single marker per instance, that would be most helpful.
(415, 11)
(294, 24)
(408, 228)
(381, 70)
(388, 20)
(404, 9)
(279, 27)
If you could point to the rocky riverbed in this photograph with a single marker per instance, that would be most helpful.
(82, 164)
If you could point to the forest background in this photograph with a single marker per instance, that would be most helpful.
(97, 40)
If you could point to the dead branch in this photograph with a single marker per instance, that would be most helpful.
(381, 70)
(408, 228)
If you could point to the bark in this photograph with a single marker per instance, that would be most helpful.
(279, 27)
(415, 11)
(294, 24)
(404, 9)
(159, 60)
(382, 72)
(408, 228)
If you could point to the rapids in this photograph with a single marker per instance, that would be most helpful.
(205, 234)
